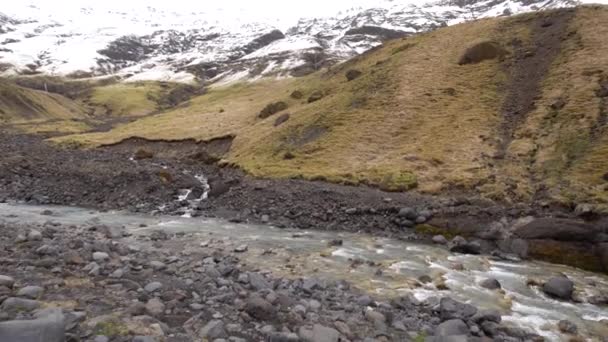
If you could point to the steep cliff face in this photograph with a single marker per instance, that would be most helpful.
(151, 44)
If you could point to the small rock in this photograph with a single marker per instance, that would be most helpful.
(559, 287)
(351, 211)
(144, 339)
(158, 265)
(490, 284)
(154, 307)
(153, 287)
(265, 218)
(567, 327)
(335, 242)
(365, 300)
(407, 213)
(119, 273)
(7, 281)
(260, 308)
(34, 235)
(101, 338)
(31, 292)
(241, 249)
(440, 240)
(212, 330)
(100, 256)
(257, 281)
(46, 212)
(487, 316)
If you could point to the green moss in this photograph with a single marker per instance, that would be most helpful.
(399, 181)
(431, 230)
(111, 328)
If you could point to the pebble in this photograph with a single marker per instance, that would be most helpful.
(155, 307)
(153, 286)
(34, 235)
(100, 256)
(158, 265)
(440, 240)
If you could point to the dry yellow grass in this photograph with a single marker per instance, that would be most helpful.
(415, 117)
(127, 99)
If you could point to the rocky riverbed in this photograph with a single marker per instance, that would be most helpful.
(109, 276)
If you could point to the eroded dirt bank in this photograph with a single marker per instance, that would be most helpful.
(150, 177)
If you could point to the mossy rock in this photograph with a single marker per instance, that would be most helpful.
(398, 181)
(579, 255)
(272, 108)
(353, 74)
(315, 96)
(482, 51)
(430, 230)
(296, 94)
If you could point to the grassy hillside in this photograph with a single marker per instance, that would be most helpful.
(38, 111)
(527, 122)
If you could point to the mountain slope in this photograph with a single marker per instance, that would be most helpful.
(186, 46)
(512, 108)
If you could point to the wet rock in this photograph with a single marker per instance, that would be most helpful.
(598, 300)
(559, 287)
(487, 316)
(212, 330)
(490, 284)
(101, 256)
(557, 229)
(425, 279)
(259, 308)
(451, 309)
(335, 242)
(154, 307)
(440, 240)
(46, 212)
(153, 287)
(472, 247)
(567, 327)
(452, 327)
(31, 292)
(49, 329)
(319, 333)
(7, 281)
(19, 304)
(34, 235)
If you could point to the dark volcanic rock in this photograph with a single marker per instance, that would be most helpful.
(451, 309)
(559, 287)
(557, 229)
(262, 41)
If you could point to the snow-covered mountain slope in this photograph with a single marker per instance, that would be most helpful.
(211, 46)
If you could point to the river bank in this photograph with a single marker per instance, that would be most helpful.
(118, 275)
(172, 178)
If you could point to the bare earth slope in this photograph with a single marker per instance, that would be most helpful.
(512, 108)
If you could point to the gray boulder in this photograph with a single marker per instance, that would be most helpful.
(490, 284)
(260, 308)
(450, 309)
(440, 240)
(212, 330)
(19, 304)
(559, 287)
(7, 281)
(319, 333)
(31, 292)
(48, 329)
(453, 327)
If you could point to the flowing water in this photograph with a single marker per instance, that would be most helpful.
(382, 266)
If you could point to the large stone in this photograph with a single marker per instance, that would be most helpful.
(260, 308)
(557, 229)
(258, 282)
(319, 333)
(490, 284)
(212, 330)
(48, 329)
(487, 316)
(7, 281)
(34, 235)
(19, 304)
(471, 247)
(32, 292)
(452, 327)
(100, 256)
(451, 309)
(408, 213)
(153, 286)
(559, 287)
(567, 327)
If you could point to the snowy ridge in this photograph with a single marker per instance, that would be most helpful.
(153, 44)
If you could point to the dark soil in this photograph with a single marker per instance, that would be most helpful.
(528, 66)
